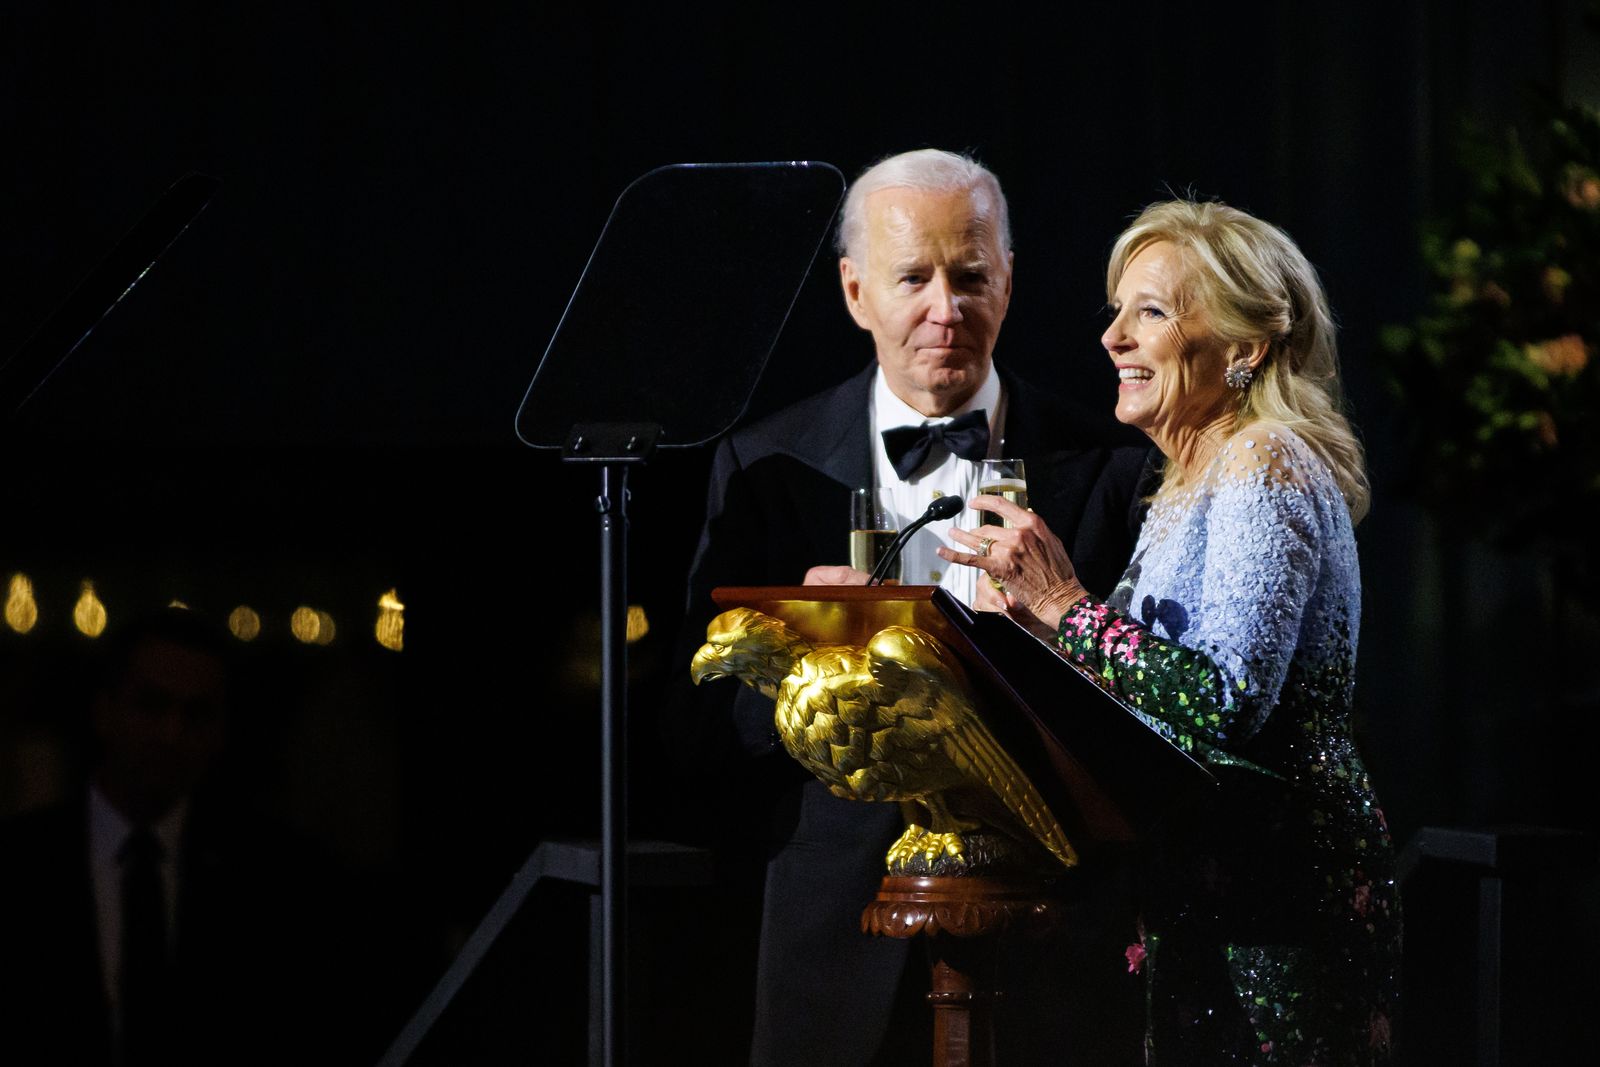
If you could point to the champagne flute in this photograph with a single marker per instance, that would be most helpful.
(873, 527)
(1003, 478)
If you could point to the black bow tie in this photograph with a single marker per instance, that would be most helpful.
(966, 436)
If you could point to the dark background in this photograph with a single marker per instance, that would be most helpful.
(310, 400)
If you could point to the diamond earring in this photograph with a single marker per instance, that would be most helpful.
(1238, 375)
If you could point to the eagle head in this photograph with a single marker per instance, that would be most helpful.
(757, 649)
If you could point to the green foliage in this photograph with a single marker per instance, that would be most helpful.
(1498, 377)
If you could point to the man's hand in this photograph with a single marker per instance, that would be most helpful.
(835, 576)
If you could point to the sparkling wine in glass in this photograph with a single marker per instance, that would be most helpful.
(873, 527)
(1003, 478)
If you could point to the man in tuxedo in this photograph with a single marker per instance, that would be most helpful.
(926, 269)
(147, 920)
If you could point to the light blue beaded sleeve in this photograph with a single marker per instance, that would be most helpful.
(1233, 581)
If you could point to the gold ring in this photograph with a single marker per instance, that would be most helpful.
(984, 544)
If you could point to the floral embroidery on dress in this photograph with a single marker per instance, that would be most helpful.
(1243, 652)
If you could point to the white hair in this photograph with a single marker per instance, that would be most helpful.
(931, 170)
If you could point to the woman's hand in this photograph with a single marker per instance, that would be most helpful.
(1028, 561)
(988, 597)
(992, 598)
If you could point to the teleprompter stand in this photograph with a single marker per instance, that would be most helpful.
(613, 447)
(644, 358)
(1106, 776)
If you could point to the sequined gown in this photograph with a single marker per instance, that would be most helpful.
(1271, 927)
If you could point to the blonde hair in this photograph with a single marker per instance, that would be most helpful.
(931, 170)
(1256, 285)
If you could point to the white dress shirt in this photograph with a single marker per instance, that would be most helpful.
(943, 474)
(108, 832)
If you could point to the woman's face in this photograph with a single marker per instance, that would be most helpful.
(1170, 364)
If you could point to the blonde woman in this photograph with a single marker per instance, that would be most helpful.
(1271, 926)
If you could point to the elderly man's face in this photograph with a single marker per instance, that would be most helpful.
(933, 290)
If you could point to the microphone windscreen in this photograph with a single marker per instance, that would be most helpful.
(945, 507)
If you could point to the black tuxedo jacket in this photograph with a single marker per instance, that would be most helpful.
(777, 506)
(254, 977)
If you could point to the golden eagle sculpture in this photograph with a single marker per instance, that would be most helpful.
(890, 721)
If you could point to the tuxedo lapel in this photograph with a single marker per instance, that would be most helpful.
(817, 452)
(829, 431)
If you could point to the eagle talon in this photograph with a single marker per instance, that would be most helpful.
(906, 846)
(949, 844)
(917, 841)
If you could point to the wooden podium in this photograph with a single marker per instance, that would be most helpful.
(1106, 776)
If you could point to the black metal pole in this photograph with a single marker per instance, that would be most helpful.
(612, 506)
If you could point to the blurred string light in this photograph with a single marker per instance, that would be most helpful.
(637, 624)
(244, 623)
(312, 627)
(22, 614)
(391, 625)
(180, 605)
(304, 624)
(88, 614)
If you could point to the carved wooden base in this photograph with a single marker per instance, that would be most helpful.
(962, 918)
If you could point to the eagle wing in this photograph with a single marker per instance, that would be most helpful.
(913, 671)
(816, 704)
(864, 740)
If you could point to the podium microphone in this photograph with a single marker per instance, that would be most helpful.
(946, 507)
